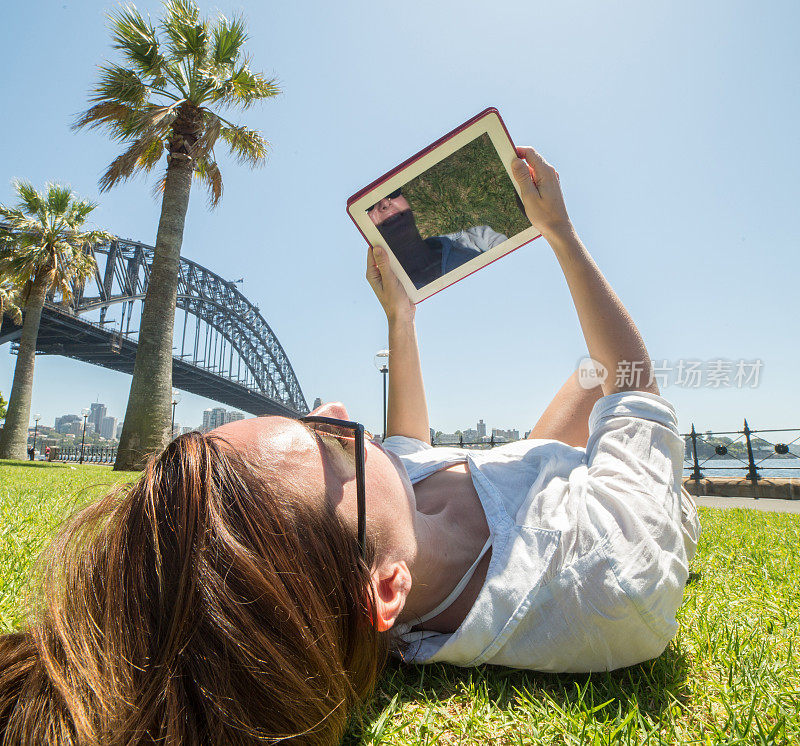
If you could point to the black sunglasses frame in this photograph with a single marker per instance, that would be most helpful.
(392, 195)
(361, 498)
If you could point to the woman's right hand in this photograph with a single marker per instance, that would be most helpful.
(541, 192)
(389, 290)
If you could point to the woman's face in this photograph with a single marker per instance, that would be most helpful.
(302, 463)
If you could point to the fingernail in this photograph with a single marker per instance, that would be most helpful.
(376, 250)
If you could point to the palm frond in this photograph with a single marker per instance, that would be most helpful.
(138, 42)
(208, 137)
(187, 33)
(150, 119)
(207, 171)
(8, 302)
(58, 198)
(19, 229)
(152, 155)
(125, 165)
(78, 212)
(120, 84)
(109, 114)
(244, 88)
(228, 39)
(159, 186)
(30, 201)
(246, 145)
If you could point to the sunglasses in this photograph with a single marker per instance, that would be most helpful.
(393, 195)
(350, 437)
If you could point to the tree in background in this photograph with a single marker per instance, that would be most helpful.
(2, 406)
(167, 96)
(43, 250)
(8, 295)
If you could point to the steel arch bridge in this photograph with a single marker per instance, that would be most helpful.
(223, 348)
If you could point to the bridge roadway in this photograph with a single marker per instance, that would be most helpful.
(91, 343)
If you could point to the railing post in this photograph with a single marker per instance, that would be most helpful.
(696, 475)
(752, 471)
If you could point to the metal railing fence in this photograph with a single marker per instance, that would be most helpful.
(90, 454)
(747, 447)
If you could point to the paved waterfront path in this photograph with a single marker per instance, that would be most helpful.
(771, 505)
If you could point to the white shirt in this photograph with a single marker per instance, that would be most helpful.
(479, 238)
(590, 547)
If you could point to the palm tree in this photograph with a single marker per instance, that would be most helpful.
(162, 99)
(42, 250)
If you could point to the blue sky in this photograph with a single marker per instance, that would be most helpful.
(674, 127)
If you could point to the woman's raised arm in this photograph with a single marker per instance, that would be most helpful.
(407, 410)
(611, 336)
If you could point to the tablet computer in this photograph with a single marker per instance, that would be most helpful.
(449, 210)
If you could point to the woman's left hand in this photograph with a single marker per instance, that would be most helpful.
(388, 289)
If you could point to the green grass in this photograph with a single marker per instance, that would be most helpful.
(731, 676)
(468, 188)
(34, 498)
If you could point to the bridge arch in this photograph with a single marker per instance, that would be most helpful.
(223, 347)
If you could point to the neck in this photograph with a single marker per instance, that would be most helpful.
(437, 566)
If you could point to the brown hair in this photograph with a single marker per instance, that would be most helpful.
(195, 607)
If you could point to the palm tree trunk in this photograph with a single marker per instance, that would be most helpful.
(14, 438)
(146, 426)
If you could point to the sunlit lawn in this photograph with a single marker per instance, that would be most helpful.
(731, 676)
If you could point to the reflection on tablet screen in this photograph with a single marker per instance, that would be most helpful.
(452, 213)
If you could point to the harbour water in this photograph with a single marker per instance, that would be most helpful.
(727, 467)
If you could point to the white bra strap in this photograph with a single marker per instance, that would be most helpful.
(457, 591)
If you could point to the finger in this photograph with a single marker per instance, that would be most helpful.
(523, 173)
(382, 261)
(373, 273)
(529, 154)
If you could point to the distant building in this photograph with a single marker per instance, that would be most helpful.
(118, 433)
(218, 416)
(185, 430)
(108, 427)
(64, 423)
(506, 436)
(317, 403)
(481, 428)
(76, 428)
(97, 412)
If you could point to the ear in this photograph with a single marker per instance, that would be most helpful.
(391, 584)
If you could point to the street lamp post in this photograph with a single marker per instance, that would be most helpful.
(36, 417)
(176, 397)
(85, 413)
(382, 364)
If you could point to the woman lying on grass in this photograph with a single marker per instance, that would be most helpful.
(248, 587)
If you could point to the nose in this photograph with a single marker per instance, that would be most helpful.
(332, 409)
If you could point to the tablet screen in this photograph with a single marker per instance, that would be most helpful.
(451, 213)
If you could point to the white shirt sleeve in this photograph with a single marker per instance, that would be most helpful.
(633, 497)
